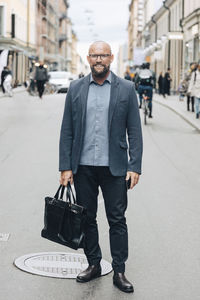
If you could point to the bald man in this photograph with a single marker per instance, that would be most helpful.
(101, 111)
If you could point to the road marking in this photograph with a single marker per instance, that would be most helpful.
(4, 237)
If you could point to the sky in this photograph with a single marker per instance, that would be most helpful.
(105, 20)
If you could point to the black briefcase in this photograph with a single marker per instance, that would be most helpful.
(64, 221)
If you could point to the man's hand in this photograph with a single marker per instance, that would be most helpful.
(134, 178)
(66, 176)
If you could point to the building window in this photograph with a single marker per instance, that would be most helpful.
(1, 20)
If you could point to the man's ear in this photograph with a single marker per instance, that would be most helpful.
(112, 58)
(88, 59)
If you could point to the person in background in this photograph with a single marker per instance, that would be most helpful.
(194, 88)
(41, 78)
(190, 98)
(7, 83)
(81, 75)
(3, 76)
(167, 81)
(127, 74)
(182, 89)
(160, 84)
(145, 82)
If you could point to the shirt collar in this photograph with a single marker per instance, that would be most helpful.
(108, 79)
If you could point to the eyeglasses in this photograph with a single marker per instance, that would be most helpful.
(102, 56)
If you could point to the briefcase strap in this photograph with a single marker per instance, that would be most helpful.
(62, 188)
(69, 192)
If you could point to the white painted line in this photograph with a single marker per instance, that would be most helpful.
(4, 237)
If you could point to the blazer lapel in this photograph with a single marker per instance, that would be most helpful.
(113, 98)
(84, 95)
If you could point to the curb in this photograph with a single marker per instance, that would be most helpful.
(179, 114)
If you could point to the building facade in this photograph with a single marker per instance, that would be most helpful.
(63, 15)
(18, 36)
(135, 27)
(36, 30)
(171, 38)
(122, 60)
(191, 33)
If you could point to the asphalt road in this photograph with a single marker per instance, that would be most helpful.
(163, 215)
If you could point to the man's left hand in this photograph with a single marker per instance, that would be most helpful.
(134, 178)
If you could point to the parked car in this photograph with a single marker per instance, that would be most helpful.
(61, 80)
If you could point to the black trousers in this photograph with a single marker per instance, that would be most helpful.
(87, 181)
(190, 99)
(40, 87)
(3, 90)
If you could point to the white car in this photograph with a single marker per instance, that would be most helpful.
(61, 80)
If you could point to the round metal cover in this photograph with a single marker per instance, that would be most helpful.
(57, 264)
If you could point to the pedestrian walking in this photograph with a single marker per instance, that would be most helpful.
(190, 98)
(41, 78)
(182, 89)
(160, 84)
(167, 82)
(194, 89)
(127, 76)
(4, 73)
(99, 110)
(81, 75)
(7, 83)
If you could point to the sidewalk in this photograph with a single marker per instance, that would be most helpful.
(179, 107)
(18, 89)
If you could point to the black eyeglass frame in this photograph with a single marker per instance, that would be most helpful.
(102, 56)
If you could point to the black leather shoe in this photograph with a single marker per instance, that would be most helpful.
(90, 273)
(120, 281)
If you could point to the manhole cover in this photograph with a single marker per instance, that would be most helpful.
(57, 264)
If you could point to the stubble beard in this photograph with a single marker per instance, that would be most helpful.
(102, 73)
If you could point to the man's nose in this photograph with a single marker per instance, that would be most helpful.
(99, 58)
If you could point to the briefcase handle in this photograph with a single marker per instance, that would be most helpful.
(61, 191)
(69, 193)
(62, 188)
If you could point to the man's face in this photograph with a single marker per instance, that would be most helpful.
(100, 58)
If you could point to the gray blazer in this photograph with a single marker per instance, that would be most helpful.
(123, 119)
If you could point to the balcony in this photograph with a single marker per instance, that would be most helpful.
(62, 37)
(63, 16)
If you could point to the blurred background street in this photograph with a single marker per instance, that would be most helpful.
(164, 208)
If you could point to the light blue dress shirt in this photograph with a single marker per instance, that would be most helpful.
(95, 150)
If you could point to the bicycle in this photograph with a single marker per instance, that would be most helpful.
(50, 88)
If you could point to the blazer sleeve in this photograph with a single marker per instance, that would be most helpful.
(134, 131)
(66, 135)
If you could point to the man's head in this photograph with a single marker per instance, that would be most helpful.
(168, 69)
(100, 58)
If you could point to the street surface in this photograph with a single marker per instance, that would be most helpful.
(163, 215)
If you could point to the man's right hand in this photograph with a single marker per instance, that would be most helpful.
(66, 176)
